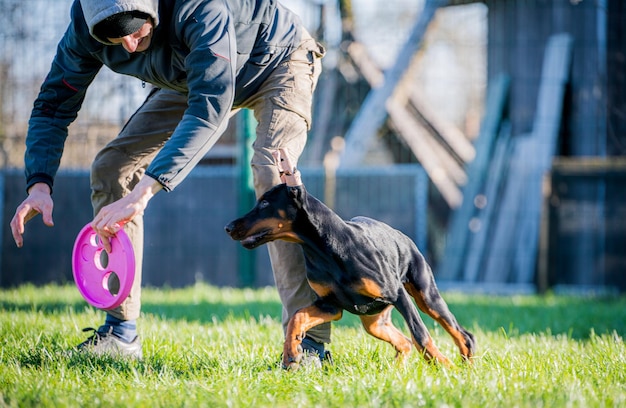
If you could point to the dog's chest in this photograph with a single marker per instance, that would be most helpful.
(346, 290)
(372, 307)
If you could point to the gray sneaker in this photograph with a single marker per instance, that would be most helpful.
(314, 353)
(106, 342)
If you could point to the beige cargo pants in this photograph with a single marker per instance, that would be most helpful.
(282, 108)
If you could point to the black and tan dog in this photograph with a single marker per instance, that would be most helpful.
(363, 266)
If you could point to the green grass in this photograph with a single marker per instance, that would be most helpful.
(211, 347)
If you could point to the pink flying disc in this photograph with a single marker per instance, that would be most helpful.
(103, 279)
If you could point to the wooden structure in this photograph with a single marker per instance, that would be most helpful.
(389, 101)
(556, 89)
(564, 102)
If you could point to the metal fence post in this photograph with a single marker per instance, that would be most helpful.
(246, 126)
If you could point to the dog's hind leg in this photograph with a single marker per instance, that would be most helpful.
(429, 301)
(380, 326)
(302, 321)
(421, 338)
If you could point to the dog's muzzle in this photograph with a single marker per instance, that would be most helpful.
(249, 242)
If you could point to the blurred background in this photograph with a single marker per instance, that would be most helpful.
(491, 132)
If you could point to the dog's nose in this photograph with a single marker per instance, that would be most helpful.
(229, 228)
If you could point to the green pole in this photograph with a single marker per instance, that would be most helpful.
(246, 126)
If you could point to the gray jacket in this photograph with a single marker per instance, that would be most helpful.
(193, 50)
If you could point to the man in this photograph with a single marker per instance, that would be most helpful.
(204, 58)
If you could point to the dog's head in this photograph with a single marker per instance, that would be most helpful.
(272, 218)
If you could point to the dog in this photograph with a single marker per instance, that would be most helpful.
(363, 266)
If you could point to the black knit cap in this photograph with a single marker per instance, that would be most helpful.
(120, 25)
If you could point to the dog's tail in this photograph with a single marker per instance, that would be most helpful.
(289, 174)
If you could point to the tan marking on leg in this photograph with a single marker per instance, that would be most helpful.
(381, 327)
(431, 352)
(457, 336)
(302, 321)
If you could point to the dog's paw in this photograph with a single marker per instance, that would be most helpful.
(402, 357)
(292, 363)
(468, 346)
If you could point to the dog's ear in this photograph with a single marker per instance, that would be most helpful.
(297, 194)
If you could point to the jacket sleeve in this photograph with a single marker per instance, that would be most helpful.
(57, 105)
(210, 66)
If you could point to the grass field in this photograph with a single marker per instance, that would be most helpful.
(210, 347)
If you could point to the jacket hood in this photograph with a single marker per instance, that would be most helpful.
(97, 10)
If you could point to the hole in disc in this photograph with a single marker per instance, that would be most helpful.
(111, 282)
(104, 259)
(101, 259)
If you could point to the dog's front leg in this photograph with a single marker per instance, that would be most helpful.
(302, 321)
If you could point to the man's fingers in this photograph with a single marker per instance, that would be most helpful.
(22, 215)
(106, 242)
(46, 213)
(106, 230)
(28, 212)
(37, 202)
(47, 219)
(17, 229)
(103, 235)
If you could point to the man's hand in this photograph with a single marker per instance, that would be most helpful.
(111, 218)
(39, 201)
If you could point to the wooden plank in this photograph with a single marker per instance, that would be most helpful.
(500, 250)
(544, 140)
(458, 232)
(420, 143)
(548, 223)
(373, 112)
(325, 95)
(484, 219)
(448, 136)
(513, 250)
(452, 135)
(440, 166)
(447, 131)
(605, 167)
(361, 58)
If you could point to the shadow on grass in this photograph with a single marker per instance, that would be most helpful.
(186, 365)
(208, 311)
(572, 316)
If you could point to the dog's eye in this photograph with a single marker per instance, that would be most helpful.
(263, 204)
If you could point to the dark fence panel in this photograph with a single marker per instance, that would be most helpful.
(587, 224)
(46, 254)
(184, 237)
